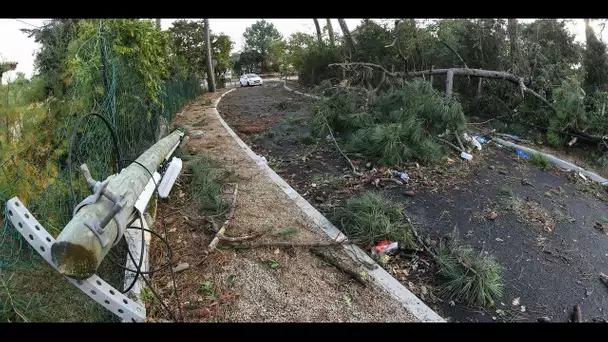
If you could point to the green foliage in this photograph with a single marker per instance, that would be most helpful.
(54, 38)
(540, 161)
(595, 63)
(468, 277)
(393, 127)
(206, 185)
(371, 217)
(264, 40)
(314, 65)
(188, 50)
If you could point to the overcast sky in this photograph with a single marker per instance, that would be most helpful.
(15, 46)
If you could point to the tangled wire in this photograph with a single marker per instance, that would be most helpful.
(138, 272)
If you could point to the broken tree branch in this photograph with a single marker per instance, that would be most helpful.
(334, 262)
(454, 51)
(292, 244)
(216, 239)
(457, 72)
(450, 144)
(338, 146)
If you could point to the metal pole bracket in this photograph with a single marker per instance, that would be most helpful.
(97, 226)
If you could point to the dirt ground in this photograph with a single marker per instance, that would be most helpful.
(265, 284)
(550, 233)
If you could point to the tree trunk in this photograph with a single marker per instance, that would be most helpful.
(330, 31)
(512, 29)
(210, 73)
(346, 33)
(319, 34)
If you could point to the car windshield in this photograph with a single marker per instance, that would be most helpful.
(251, 75)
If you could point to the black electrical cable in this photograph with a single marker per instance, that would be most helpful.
(138, 271)
(169, 251)
(73, 138)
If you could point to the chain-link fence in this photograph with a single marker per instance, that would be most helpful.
(42, 172)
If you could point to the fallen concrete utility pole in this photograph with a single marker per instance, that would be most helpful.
(100, 220)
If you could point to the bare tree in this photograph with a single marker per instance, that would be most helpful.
(210, 76)
(319, 35)
(330, 31)
(346, 33)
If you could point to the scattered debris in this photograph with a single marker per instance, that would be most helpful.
(181, 267)
(386, 247)
(515, 302)
(582, 176)
(502, 172)
(604, 279)
(601, 227)
(368, 165)
(466, 156)
(492, 215)
(526, 182)
(543, 319)
(334, 262)
(410, 193)
(197, 134)
(219, 234)
(499, 240)
(577, 315)
(403, 175)
(491, 167)
(521, 154)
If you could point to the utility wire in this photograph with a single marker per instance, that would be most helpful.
(24, 22)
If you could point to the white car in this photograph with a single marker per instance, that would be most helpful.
(250, 80)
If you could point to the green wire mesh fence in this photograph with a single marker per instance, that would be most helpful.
(42, 171)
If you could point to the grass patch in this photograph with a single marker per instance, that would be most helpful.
(288, 231)
(468, 277)
(327, 179)
(540, 161)
(506, 190)
(40, 294)
(371, 217)
(207, 184)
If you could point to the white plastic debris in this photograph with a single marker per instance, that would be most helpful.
(466, 156)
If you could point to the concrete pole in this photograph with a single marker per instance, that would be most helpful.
(77, 252)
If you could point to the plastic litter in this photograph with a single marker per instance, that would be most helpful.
(466, 156)
(386, 247)
(521, 154)
(481, 140)
(403, 175)
(473, 141)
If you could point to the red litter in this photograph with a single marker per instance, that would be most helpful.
(385, 247)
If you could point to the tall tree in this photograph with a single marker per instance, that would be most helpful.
(595, 62)
(330, 32)
(261, 37)
(210, 75)
(319, 34)
(188, 43)
(512, 29)
(346, 33)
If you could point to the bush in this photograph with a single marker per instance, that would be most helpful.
(315, 65)
(391, 128)
(468, 277)
(371, 217)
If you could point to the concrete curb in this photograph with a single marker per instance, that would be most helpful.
(391, 285)
(555, 161)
